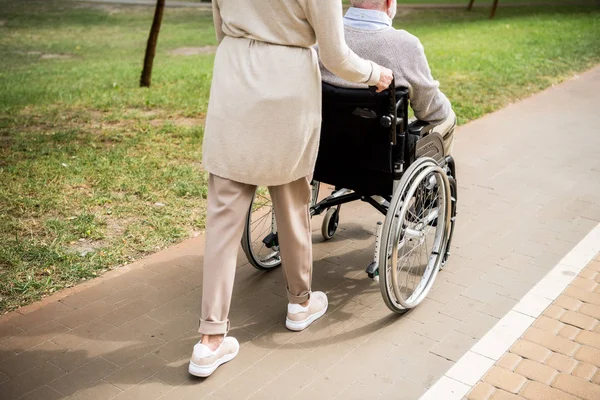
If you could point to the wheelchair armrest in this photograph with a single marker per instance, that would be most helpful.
(420, 128)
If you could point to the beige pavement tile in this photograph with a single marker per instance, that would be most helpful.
(577, 387)
(588, 338)
(588, 354)
(535, 371)
(548, 324)
(509, 361)
(90, 295)
(504, 379)
(579, 320)
(477, 324)
(7, 330)
(43, 393)
(135, 372)
(500, 394)
(96, 391)
(454, 345)
(482, 391)
(497, 307)
(83, 315)
(537, 391)
(25, 383)
(84, 377)
(569, 332)
(550, 341)
(150, 389)
(554, 312)
(561, 363)
(34, 337)
(128, 312)
(78, 336)
(290, 382)
(585, 371)
(425, 369)
(586, 297)
(51, 310)
(249, 381)
(568, 303)
(27, 360)
(437, 328)
(530, 350)
(175, 328)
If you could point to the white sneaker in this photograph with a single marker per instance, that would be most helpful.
(300, 318)
(205, 361)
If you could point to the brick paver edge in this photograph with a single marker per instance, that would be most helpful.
(471, 368)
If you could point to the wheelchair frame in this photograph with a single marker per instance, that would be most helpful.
(403, 170)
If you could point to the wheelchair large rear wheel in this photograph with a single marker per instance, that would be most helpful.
(414, 235)
(259, 240)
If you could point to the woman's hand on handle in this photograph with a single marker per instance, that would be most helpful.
(385, 78)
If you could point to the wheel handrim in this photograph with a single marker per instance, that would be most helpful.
(418, 244)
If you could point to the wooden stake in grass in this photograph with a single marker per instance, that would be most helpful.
(151, 46)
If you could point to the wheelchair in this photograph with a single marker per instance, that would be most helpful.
(370, 152)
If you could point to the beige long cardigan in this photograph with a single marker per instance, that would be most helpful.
(264, 113)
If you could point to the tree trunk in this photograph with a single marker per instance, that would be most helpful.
(151, 46)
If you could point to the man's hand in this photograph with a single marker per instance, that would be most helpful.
(385, 78)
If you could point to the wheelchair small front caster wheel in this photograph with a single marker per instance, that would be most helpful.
(330, 223)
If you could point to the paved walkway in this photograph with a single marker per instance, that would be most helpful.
(529, 179)
(559, 356)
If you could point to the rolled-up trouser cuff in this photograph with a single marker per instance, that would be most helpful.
(213, 327)
(298, 299)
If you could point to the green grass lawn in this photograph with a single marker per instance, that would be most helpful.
(96, 172)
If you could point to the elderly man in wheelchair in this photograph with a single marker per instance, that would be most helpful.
(369, 151)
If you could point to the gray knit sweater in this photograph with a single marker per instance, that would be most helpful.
(404, 55)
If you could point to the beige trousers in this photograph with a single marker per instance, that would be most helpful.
(228, 204)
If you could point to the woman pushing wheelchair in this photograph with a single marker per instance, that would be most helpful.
(262, 128)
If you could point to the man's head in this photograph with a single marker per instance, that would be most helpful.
(387, 6)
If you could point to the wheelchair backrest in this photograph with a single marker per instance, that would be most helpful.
(355, 150)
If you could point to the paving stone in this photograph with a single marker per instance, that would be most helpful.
(579, 320)
(592, 310)
(554, 312)
(537, 391)
(34, 337)
(570, 332)
(577, 387)
(561, 363)
(25, 383)
(150, 389)
(548, 324)
(509, 361)
(585, 371)
(83, 377)
(568, 303)
(550, 341)
(136, 372)
(586, 297)
(96, 391)
(500, 394)
(530, 350)
(27, 360)
(535, 371)
(588, 338)
(454, 346)
(43, 393)
(585, 284)
(588, 354)
(504, 379)
(482, 391)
